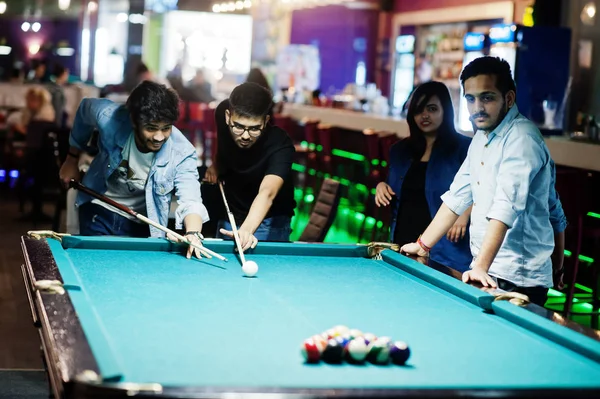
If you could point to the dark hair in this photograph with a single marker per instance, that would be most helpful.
(141, 68)
(256, 76)
(446, 134)
(58, 70)
(487, 65)
(152, 102)
(250, 100)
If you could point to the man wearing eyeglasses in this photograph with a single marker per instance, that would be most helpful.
(254, 162)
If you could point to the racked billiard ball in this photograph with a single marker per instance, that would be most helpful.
(399, 352)
(333, 352)
(343, 339)
(329, 334)
(379, 351)
(340, 330)
(354, 333)
(356, 350)
(311, 349)
(369, 337)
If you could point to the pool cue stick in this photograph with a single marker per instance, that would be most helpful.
(236, 234)
(77, 185)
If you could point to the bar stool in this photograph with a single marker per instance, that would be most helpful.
(575, 190)
(306, 156)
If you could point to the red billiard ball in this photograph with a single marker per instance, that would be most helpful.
(311, 350)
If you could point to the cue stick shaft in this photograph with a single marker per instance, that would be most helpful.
(179, 237)
(236, 234)
(79, 186)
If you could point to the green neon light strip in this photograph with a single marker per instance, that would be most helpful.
(584, 288)
(586, 259)
(298, 167)
(554, 293)
(582, 258)
(594, 215)
(349, 155)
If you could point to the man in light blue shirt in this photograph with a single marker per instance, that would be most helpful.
(517, 222)
(142, 160)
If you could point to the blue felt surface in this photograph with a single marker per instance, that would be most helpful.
(181, 322)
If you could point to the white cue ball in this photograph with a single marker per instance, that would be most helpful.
(250, 268)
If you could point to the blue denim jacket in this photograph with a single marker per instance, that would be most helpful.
(509, 176)
(441, 169)
(175, 167)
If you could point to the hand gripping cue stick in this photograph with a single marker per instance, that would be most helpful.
(205, 251)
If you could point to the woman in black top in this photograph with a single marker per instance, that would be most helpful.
(422, 167)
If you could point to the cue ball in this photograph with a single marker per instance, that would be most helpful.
(250, 268)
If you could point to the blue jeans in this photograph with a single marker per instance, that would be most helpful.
(96, 220)
(276, 228)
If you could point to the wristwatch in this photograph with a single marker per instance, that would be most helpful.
(195, 233)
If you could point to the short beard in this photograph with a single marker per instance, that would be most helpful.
(501, 116)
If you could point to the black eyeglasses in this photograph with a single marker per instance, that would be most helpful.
(239, 130)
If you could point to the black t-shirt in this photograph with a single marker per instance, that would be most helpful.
(413, 213)
(242, 170)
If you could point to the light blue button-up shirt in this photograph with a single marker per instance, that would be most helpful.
(509, 176)
(174, 169)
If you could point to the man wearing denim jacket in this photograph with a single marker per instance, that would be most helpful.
(517, 220)
(142, 160)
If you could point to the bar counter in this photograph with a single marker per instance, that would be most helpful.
(564, 151)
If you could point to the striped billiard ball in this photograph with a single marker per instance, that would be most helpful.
(329, 334)
(399, 352)
(379, 351)
(369, 337)
(322, 342)
(340, 330)
(343, 339)
(354, 333)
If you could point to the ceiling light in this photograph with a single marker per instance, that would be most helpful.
(64, 4)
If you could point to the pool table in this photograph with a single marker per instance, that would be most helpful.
(121, 317)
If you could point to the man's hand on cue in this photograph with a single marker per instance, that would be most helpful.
(194, 239)
(247, 239)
